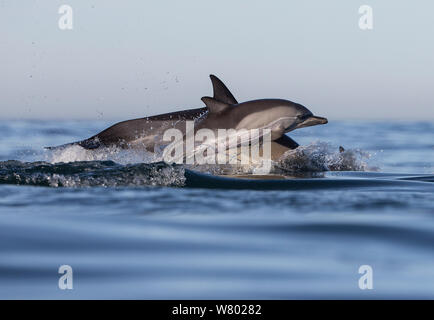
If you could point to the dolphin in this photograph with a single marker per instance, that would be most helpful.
(222, 111)
(146, 131)
(278, 115)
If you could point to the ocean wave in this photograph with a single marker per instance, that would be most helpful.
(76, 153)
(90, 174)
(74, 166)
(112, 174)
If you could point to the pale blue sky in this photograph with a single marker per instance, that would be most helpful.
(127, 59)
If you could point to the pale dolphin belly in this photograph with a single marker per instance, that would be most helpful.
(278, 148)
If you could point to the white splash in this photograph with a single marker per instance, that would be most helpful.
(75, 153)
(315, 157)
(322, 156)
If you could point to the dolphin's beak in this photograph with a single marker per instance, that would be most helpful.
(312, 121)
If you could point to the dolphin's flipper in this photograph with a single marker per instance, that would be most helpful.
(280, 146)
(287, 142)
(221, 92)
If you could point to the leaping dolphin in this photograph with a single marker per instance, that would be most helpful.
(222, 111)
(278, 115)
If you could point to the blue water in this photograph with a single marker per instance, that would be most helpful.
(130, 228)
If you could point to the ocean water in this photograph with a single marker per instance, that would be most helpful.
(132, 227)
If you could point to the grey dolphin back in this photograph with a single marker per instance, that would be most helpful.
(124, 132)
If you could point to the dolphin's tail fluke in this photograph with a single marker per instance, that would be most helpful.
(221, 92)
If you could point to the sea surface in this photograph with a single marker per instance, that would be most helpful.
(131, 226)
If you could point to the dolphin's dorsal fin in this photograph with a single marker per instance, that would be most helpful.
(214, 106)
(221, 92)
